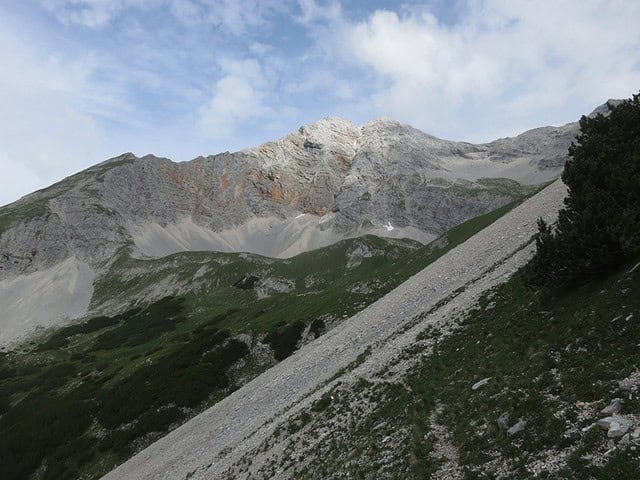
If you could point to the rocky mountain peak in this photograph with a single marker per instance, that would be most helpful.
(605, 107)
(332, 135)
(381, 121)
(325, 182)
(329, 126)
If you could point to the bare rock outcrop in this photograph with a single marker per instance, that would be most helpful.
(327, 181)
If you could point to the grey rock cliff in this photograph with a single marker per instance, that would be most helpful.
(326, 181)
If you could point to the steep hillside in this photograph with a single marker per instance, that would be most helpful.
(115, 383)
(301, 299)
(524, 387)
(245, 433)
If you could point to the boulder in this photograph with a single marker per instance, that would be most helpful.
(615, 425)
(518, 427)
(614, 407)
(480, 383)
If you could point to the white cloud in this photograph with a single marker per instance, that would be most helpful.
(94, 14)
(312, 12)
(241, 18)
(186, 11)
(527, 57)
(236, 17)
(315, 81)
(239, 96)
(46, 131)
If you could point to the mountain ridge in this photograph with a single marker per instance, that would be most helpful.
(316, 201)
(327, 181)
(368, 357)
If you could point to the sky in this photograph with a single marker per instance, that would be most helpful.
(82, 81)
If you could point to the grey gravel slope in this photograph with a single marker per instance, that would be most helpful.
(209, 444)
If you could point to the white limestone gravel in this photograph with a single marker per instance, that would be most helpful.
(208, 444)
(43, 299)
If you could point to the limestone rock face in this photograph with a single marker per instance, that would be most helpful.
(327, 181)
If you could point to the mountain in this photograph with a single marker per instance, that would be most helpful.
(116, 383)
(460, 372)
(375, 345)
(328, 181)
(172, 353)
(355, 180)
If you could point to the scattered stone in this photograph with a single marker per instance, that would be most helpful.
(614, 407)
(588, 427)
(631, 383)
(518, 427)
(379, 426)
(503, 421)
(615, 425)
(444, 450)
(625, 440)
(480, 383)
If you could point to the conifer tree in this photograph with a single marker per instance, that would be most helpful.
(599, 227)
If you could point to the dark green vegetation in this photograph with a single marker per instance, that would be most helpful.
(599, 229)
(554, 362)
(91, 394)
(544, 357)
(263, 294)
(283, 339)
(88, 396)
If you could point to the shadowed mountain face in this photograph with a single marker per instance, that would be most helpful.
(327, 181)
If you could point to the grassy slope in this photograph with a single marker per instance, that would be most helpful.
(554, 361)
(91, 394)
(9, 216)
(321, 280)
(37, 204)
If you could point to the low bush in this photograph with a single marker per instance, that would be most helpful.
(284, 340)
(139, 326)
